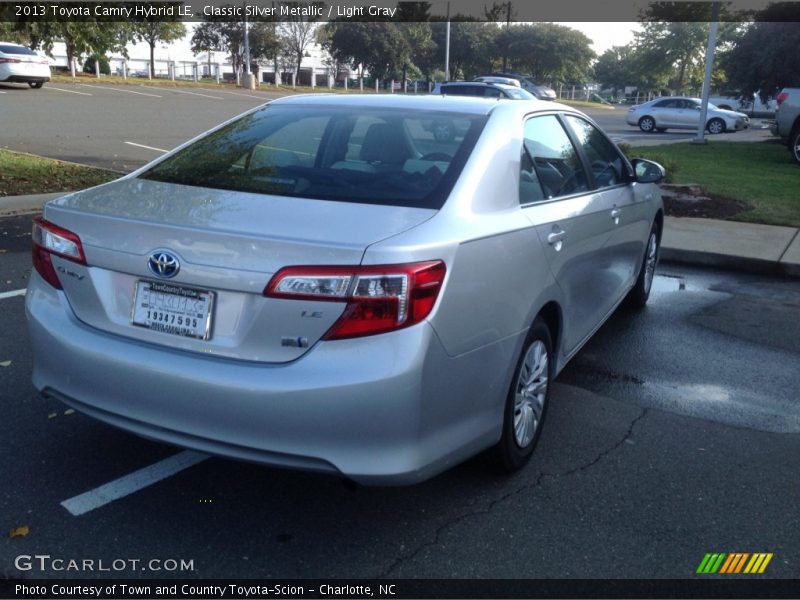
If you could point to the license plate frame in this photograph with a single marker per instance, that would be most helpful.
(169, 310)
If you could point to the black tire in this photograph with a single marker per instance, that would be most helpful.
(660, 129)
(716, 125)
(794, 145)
(647, 124)
(640, 292)
(36, 84)
(516, 445)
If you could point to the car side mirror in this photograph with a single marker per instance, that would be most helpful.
(648, 171)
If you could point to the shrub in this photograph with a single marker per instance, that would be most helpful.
(88, 66)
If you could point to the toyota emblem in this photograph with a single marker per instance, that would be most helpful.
(163, 264)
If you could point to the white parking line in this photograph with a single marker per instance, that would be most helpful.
(264, 98)
(13, 294)
(133, 482)
(1, 92)
(148, 147)
(104, 87)
(196, 94)
(50, 87)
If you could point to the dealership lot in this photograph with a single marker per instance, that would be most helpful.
(123, 127)
(673, 433)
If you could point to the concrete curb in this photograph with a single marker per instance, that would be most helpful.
(750, 247)
(18, 205)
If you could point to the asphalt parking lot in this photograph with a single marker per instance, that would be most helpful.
(673, 433)
(119, 127)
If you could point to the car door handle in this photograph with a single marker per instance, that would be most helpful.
(615, 213)
(555, 237)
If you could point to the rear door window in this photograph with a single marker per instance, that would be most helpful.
(549, 159)
(608, 166)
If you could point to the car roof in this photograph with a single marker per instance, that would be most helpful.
(434, 102)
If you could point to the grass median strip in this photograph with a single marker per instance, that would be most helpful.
(759, 174)
(22, 173)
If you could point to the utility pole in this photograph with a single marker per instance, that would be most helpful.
(508, 24)
(447, 47)
(712, 44)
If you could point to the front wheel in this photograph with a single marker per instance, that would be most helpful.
(716, 126)
(640, 292)
(526, 404)
(794, 146)
(647, 124)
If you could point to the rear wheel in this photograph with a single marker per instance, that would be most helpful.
(716, 126)
(640, 292)
(647, 124)
(526, 404)
(36, 84)
(794, 146)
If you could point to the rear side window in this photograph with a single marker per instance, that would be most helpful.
(345, 154)
(608, 166)
(550, 165)
(11, 49)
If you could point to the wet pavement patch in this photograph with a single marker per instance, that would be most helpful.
(759, 320)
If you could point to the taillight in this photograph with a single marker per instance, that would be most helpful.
(379, 298)
(781, 97)
(10, 60)
(49, 239)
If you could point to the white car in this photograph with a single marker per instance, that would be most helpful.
(673, 112)
(19, 64)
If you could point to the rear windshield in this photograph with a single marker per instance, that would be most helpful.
(384, 156)
(11, 49)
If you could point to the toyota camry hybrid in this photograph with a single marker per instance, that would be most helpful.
(321, 284)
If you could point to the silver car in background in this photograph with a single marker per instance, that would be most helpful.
(321, 284)
(673, 112)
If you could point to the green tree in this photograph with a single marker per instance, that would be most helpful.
(228, 36)
(154, 32)
(549, 53)
(671, 47)
(614, 68)
(764, 58)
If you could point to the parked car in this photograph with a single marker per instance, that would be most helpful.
(753, 105)
(542, 92)
(320, 284)
(494, 79)
(19, 64)
(445, 129)
(787, 120)
(676, 112)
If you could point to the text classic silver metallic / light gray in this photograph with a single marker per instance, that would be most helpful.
(322, 284)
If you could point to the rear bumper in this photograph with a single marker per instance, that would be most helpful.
(26, 79)
(386, 409)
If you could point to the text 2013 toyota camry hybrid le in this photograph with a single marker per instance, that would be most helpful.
(321, 284)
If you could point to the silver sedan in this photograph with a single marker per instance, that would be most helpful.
(683, 113)
(321, 284)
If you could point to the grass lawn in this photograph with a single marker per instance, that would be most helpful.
(28, 174)
(761, 174)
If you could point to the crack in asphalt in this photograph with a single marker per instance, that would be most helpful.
(494, 503)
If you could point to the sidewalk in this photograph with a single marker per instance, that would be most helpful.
(764, 249)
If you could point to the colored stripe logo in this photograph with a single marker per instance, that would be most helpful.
(734, 562)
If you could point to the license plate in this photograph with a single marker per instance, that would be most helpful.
(173, 309)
